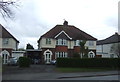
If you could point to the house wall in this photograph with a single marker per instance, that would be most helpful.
(11, 44)
(44, 45)
(93, 47)
(70, 44)
(105, 50)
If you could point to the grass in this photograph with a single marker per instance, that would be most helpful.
(68, 70)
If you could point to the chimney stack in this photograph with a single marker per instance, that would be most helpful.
(65, 23)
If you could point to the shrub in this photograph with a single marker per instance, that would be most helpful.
(24, 62)
(88, 62)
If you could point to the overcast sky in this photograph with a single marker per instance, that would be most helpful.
(33, 18)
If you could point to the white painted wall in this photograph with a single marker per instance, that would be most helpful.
(106, 53)
(70, 44)
(11, 44)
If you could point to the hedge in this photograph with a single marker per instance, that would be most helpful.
(24, 62)
(88, 62)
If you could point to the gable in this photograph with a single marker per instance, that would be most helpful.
(62, 35)
(5, 34)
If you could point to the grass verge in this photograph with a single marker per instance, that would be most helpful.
(68, 70)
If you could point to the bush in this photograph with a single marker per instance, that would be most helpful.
(24, 62)
(88, 62)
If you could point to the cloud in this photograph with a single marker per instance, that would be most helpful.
(33, 18)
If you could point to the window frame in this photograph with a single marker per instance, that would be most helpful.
(5, 41)
(48, 40)
(62, 42)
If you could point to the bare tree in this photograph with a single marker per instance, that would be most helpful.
(5, 9)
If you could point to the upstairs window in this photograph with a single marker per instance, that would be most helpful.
(48, 41)
(61, 42)
(77, 42)
(5, 41)
(91, 43)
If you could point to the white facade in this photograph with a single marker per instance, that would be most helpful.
(105, 51)
(8, 43)
(70, 44)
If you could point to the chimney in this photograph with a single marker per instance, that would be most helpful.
(116, 33)
(65, 23)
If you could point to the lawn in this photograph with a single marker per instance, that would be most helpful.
(68, 70)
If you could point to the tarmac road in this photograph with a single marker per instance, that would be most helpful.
(48, 72)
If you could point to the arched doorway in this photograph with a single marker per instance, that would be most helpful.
(91, 54)
(47, 56)
(5, 56)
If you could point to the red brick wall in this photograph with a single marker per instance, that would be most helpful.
(76, 49)
(61, 48)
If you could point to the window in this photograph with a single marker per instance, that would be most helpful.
(48, 41)
(91, 43)
(5, 41)
(61, 42)
(61, 54)
(77, 42)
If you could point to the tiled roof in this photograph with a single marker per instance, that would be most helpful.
(5, 34)
(72, 31)
(112, 39)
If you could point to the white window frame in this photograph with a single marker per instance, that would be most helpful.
(77, 42)
(61, 55)
(5, 41)
(48, 41)
(91, 43)
(61, 42)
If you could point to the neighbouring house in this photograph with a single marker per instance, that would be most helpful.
(8, 43)
(64, 41)
(105, 46)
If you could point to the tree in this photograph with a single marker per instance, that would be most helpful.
(21, 49)
(115, 48)
(5, 9)
(83, 49)
(29, 46)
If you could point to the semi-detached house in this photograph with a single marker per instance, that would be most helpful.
(64, 41)
(8, 43)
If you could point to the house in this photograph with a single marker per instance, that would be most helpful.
(8, 43)
(105, 46)
(63, 41)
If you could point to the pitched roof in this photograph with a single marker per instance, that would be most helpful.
(112, 39)
(5, 34)
(72, 31)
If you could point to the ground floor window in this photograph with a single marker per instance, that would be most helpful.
(61, 54)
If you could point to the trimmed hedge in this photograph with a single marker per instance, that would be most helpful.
(24, 62)
(88, 62)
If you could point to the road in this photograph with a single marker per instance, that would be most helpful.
(110, 77)
(47, 72)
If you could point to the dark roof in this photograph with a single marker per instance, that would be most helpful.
(5, 34)
(72, 31)
(112, 39)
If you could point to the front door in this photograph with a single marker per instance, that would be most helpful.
(5, 56)
(47, 56)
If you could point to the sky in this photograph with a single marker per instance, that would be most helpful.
(33, 18)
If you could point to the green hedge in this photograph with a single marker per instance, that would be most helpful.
(24, 62)
(88, 62)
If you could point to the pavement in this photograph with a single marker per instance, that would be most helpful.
(48, 72)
